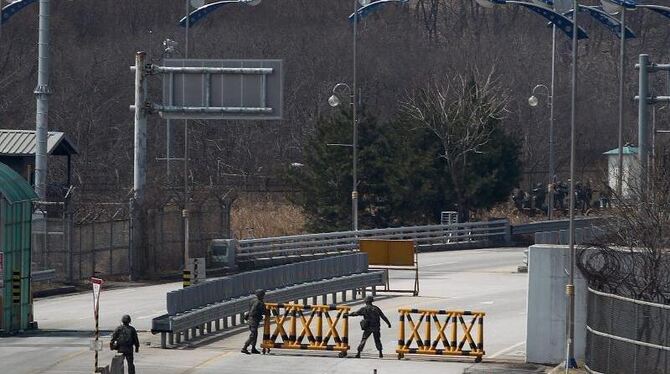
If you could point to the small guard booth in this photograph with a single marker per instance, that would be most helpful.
(16, 197)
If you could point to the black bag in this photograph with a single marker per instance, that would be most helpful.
(125, 337)
(364, 324)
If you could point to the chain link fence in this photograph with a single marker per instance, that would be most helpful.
(79, 244)
(626, 335)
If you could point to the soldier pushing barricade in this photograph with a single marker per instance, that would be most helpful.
(254, 317)
(370, 324)
(123, 340)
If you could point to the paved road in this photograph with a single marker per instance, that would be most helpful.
(474, 279)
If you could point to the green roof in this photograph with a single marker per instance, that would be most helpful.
(13, 187)
(628, 150)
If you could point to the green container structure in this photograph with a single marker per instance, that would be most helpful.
(16, 208)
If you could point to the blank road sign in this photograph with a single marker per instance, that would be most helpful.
(222, 89)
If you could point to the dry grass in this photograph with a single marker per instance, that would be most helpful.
(262, 216)
(505, 210)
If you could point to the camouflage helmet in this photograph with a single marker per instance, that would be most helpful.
(260, 293)
(125, 319)
(369, 299)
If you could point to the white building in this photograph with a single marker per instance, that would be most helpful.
(631, 166)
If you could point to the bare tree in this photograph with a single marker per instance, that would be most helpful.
(629, 256)
(460, 111)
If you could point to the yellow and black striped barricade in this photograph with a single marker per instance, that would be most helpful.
(444, 333)
(306, 327)
(186, 278)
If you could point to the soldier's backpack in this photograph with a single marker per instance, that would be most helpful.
(125, 338)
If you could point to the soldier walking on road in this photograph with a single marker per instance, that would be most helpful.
(123, 340)
(254, 317)
(370, 324)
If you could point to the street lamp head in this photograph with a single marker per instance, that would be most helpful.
(533, 101)
(611, 7)
(334, 101)
(485, 3)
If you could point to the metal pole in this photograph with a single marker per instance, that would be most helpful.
(570, 361)
(551, 123)
(354, 189)
(97, 338)
(140, 162)
(653, 145)
(622, 57)
(1, 1)
(643, 129)
(42, 95)
(185, 213)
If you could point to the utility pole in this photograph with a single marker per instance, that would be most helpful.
(570, 361)
(354, 188)
(643, 123)
(187, 198)
(140, 164)
(622, 62)
(42, 94)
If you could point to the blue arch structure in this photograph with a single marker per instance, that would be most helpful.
(662, 10)
(373, 7)
(613, 24)
(629, 4)
(9, 10)
(562, 22)
(204, 10)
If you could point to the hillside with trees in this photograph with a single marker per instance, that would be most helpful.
(401, 50)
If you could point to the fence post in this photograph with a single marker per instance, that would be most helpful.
(111, 246)
(508, 233)
(67, 238)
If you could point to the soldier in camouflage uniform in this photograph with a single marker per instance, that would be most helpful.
(254, 317)
(370, 324)
(123, 340)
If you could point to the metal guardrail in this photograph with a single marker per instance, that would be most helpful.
(426, 237)
(43, 275)
(582, 235)
(555, 225)
(244, 284)
(199, 321)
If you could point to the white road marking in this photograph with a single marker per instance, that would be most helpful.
(507, 350)
(438, 264)
(149, 316)
(487, 302)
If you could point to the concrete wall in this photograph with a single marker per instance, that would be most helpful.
(547, 305)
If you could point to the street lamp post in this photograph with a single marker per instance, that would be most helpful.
(366, 7)
(570, 361)
(354, 144)
(334, 101)
(533, 101)
(189, 19)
